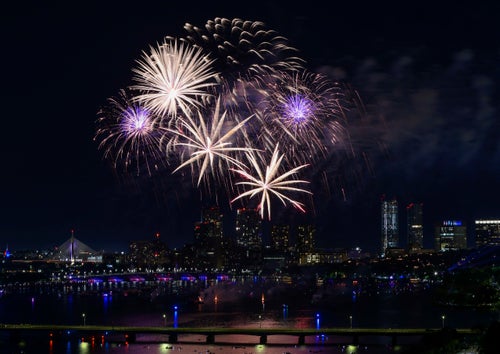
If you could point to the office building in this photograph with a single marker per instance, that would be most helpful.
(389, 225)
(487, 232)
(280, 235)
(415, 227)
(305, 238)
(450, 235)
(248, 228)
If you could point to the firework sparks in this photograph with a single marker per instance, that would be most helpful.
(130, 134)
(229, 92)
(270, 183)
(208, 143)
(244, 47)
(174, 75)
(303, 110)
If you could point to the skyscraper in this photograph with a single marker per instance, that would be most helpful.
(487, 232)
(249, 238)
(280, 234)
(390, 224)
(208, 237)
(450, 235)
(248, 228)
(213, 215)
(415, 228)
(305, 238)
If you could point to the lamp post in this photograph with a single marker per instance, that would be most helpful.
(442, 321)
(165, 320)
(83, 317)
(350, 321)
(260, 321)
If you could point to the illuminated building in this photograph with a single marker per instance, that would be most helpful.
(214, 216)
(305, 238)
(205, 244)
(280, 234)
(208, 239)
(249, 237)
(148, 252)
(450, 235)
(248, 228)
(324, 256)
(487, 232)
(414, 213)
(390, 224)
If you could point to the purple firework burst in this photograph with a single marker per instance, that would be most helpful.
(130, 136)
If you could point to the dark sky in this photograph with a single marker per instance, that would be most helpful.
(428, 74)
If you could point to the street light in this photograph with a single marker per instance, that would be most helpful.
(350, 321)
(260, 321)
(83, 317)
(165, 320)
(442, 321)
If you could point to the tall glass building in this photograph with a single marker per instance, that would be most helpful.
(390, 224)
(415, 227)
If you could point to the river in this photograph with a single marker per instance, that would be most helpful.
(241, 303)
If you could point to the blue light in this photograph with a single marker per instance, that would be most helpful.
(176, 317)
(452, 223)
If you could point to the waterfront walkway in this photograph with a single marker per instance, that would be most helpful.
(129, 333)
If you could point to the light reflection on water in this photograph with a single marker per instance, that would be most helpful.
(221, 309)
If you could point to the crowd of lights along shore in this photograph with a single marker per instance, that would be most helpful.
(230, 104)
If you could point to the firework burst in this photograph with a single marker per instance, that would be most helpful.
(303, 110)
(270, 183)
(173, 75)
(130, 135)
(207, 142)
(221, 100)
(244, 48)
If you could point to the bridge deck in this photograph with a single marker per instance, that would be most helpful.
(232, 330)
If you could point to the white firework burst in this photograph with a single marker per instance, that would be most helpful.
(173, 76)
(270, 183)
(206, 143)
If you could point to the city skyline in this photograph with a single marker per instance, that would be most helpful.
(429, 87)
(401, 229)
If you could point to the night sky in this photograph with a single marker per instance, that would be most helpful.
(429, 78)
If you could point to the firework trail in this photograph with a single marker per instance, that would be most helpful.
(270, 183)
(173, 75)
(207, 142)
(131, 135)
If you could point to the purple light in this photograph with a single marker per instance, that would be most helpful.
(297, 110)
(136, 120)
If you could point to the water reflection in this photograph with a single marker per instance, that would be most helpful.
(176, 317)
